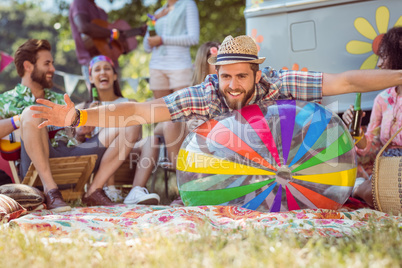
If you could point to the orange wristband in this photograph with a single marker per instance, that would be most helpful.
(83, 118)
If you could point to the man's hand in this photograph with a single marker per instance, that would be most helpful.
(55, 114)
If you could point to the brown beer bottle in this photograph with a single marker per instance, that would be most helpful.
(357, 117)
(151, 25)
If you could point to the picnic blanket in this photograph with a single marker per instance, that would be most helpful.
(131, 220)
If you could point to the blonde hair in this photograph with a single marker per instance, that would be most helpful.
(201, 65)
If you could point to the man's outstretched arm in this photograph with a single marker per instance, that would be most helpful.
(113, 115)
(360, 81)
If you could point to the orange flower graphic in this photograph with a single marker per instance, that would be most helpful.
(295, 67)
(257, 38)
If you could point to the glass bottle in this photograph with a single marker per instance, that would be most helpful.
(151, 25)
(357, 117)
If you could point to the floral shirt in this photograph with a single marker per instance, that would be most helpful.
(14, 101)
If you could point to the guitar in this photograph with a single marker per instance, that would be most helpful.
(103, 46)
(10, 146)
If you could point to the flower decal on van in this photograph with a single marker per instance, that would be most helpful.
(370, 47)
(295, 67)
(257, 38)
(256, 3)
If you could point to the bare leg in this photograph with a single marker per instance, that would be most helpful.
(174, 134)
(119, 142)
(37, 147)
(145, 166)
(147, 160)
(161, 93)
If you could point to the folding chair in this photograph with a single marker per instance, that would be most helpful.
(70, 174)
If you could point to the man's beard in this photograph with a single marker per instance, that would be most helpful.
(238, 104)
(40, 78)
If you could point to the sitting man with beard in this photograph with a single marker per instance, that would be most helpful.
(34, 63)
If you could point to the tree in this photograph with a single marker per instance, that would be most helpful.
(26, 20)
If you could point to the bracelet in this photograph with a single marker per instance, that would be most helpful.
(76, 121)
(114, 34)
(15, 121)
(83, 118)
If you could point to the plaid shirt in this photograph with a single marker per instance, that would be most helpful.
(204, 101)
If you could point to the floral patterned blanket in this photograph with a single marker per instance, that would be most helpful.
(131, 220)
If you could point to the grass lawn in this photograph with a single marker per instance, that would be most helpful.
(372, 247)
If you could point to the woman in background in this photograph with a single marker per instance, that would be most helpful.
(119, 141)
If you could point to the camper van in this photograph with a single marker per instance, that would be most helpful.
(331, 36)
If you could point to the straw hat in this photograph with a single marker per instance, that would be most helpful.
(234, 50)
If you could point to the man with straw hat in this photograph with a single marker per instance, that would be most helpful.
(239, 83)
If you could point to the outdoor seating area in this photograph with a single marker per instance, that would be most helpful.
(193, 133)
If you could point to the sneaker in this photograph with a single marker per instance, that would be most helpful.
(113, 193)
(140, 195)
(97, 198)
(55, 202)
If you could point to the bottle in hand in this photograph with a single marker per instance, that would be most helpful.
(95, 96)
(151, 25)
(357, 117)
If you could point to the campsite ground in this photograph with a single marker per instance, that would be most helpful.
(370, 247)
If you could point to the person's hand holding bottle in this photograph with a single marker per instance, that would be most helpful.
(347, 117)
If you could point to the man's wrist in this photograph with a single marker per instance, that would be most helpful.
(15, 121)
(76, 120)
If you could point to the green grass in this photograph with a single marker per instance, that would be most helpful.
(372, 247)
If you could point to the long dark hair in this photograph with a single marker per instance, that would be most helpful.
(391, 48)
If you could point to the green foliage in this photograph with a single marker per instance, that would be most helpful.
(220, 18)
(23, 20)
(20, 22)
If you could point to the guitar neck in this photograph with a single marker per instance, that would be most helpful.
(134, 32)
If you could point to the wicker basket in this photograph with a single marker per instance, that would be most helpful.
(387, 181)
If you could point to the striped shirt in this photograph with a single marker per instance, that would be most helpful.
(204, 101)
(179, 30)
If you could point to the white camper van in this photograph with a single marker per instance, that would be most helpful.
(322, 35)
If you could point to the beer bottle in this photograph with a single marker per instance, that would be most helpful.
(95, 96)
(357, 117)
(151, 25)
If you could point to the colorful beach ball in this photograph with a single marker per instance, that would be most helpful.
(276, 156)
